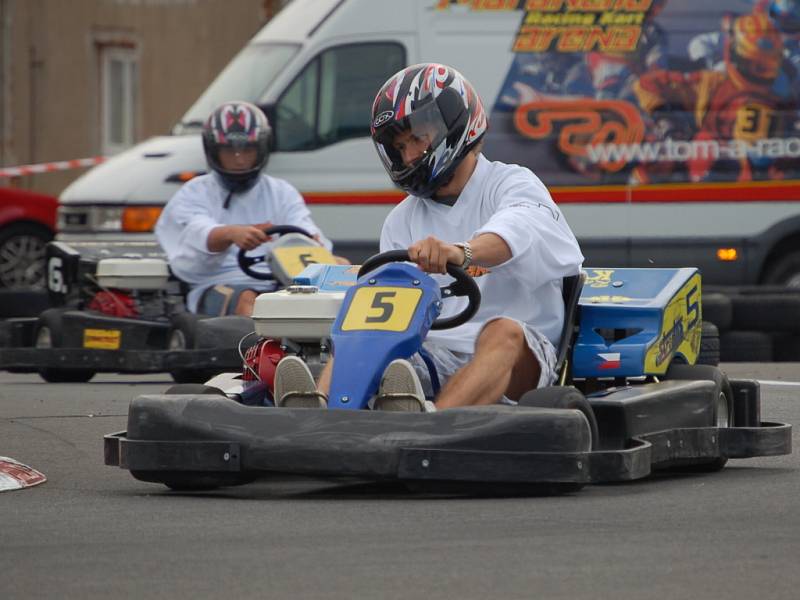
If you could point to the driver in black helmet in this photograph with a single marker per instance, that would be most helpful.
(205, 223)
(495, 220)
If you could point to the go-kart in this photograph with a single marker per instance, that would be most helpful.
(629, 399)
(118, 308)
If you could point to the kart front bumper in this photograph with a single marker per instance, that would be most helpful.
(215, 436)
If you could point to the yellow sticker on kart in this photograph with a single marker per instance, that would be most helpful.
(681, 328)
(382, 309)
(102, 339)
(293, 259)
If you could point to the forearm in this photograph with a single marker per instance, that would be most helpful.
(489, 249)
(220, 238)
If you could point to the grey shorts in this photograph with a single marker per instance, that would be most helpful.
(220, 300)
(447, 361)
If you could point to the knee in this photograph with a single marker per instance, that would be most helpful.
(244, 306)
(503, 333)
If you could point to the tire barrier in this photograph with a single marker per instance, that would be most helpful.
(755, 323)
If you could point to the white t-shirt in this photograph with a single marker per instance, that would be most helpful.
(198, 207)
(511, 202)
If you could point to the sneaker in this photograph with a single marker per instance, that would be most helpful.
(400, 390)
(295, 386)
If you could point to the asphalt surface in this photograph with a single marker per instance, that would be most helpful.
(93, 531)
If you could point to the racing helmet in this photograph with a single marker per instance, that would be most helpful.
(434, 103)
(786, 15)
(754, 50)
(237, 125)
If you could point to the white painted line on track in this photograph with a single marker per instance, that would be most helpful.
(770, 382)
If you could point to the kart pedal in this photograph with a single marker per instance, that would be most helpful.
(295, 386)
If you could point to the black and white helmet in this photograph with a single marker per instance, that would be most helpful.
(237, 125)
(434, 101)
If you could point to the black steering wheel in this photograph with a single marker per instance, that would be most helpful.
(464, 285)
(246, 262)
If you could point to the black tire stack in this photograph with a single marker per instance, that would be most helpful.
(755, 323)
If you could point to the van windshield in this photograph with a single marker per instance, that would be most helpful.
(245, 78)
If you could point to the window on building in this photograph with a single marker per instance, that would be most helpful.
(119, 83)
(331, 100)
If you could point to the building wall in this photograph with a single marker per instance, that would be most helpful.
(50, 69)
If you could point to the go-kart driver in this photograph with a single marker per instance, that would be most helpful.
(496, 220)
(205, 223)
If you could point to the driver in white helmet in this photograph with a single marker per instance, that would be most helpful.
(211, 217)
(496, 220)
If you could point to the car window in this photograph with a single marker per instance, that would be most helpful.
(331, 99)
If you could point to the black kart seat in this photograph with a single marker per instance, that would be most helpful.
(571, 288)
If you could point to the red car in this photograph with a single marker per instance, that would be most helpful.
(27, 223)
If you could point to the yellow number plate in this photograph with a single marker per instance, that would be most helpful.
(294, 259)
(382, 308)
(102, 339)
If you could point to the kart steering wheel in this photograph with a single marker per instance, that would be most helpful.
(246, 262)
(464, 285)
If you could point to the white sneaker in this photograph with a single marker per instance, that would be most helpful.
(400, 390)
(295, 386)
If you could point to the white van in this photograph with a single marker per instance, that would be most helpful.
(667, 130)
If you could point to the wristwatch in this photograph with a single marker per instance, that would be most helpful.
(467, 253)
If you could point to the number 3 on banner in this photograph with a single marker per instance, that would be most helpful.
(382, 309)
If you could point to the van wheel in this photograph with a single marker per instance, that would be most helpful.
(785, 271)
(49, 334)
(723, 405)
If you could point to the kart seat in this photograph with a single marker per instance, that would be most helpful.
(571, 288)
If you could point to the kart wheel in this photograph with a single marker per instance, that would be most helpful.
(183, 336)
(194, 481)
(564, 397)
(709, 345)
(490, 489)
(49, 334)
(723, 406)
(199, 389)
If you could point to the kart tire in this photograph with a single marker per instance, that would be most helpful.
(723, 408)
(199, 389)
(194, 481)
(563, 397)
(490, 489)
(709, 345)
(745, 346)
(23, 302)
(767, 312)
(718, 309)
(49, 333)
(183, 336)
(786, 347)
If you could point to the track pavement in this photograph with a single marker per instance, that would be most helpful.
(92, 531)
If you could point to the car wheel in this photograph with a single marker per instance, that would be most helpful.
(723, 405)
(22, 248)
(49, 334)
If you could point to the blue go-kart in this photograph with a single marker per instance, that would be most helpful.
(630, 398)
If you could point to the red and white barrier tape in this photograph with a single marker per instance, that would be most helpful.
(60, 165)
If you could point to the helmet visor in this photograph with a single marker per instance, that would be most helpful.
(404, 143)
